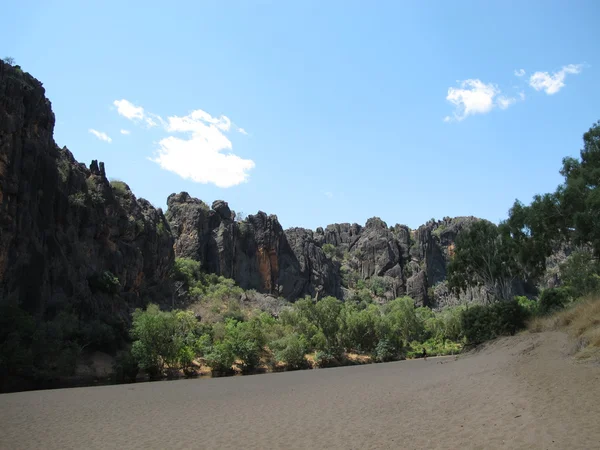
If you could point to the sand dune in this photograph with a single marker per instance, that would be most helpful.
(519, 392)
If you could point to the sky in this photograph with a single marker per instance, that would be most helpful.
(319, 112)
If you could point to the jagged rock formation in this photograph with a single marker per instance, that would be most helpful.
(68, 238)
(256, 252)
(259, 255)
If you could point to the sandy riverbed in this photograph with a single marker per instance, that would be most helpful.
(519, 392)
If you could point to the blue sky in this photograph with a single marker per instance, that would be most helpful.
(319, 112)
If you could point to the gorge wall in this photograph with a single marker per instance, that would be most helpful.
(69, 238)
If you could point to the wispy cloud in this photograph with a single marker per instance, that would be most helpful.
(552, 83)
(125, 132)
(128, 110)
(473, 96)
(328, 194)
(136, 113)
(100, 135)
(244, 132)
(519, 72)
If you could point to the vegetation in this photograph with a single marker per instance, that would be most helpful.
(119, 187)
(581, 320)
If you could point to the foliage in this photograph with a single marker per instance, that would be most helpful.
(360, 328)
(385, 351)
(119, 187)
(530, 306)
(567, 215)
(291, 350)
(202, 286)
(125, 367)
(221, 357)
(581, 273)
(553, 300)
(159, 337)
(325, 359)
(486, 256)
(481, 323)
(105, 282)
(9, 60)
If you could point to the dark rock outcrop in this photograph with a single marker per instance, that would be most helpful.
(65, 231)
(255, 252)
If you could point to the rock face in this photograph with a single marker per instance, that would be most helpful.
(68, 238)
(255, 252)
(259, 255)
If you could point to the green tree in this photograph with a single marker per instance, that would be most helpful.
(567, 215)
(159, 337)
(485, 256)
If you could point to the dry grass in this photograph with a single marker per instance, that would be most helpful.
(581, 320)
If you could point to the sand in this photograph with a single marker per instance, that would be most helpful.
(519, 392)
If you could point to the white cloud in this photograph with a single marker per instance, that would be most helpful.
(328, 194)
(127, 109)
(504, 102)
(552, 83)
(472, 97)
(125, 132)
(244, 132)
(204, 156)
(100, 135)
(519, 72)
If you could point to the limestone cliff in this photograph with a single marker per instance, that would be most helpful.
(68, 238)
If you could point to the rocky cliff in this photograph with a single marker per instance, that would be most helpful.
(69, 239)
(258, 254)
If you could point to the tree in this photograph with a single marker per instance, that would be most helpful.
(568, 215)
(485, 256)
(9, 60)
(162, 339)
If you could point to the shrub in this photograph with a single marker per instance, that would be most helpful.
(482, 323)
(105, 282)
(581, 273)
(125, 367)
(530, 306)
(220, 358)
(385, 351)
(553, 299)
(119, 187)
(291, 350)
(325, 359)
(329, 250)
(186, 361)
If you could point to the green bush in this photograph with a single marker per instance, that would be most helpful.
(581, 273)
(325, 359)
(186, 361)
(119, 187)
(220, 358)
(160, 337)
(482, 323)
(125, 367)
(553, 299)
(385, 351)
(105, 282)
(291, 350)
